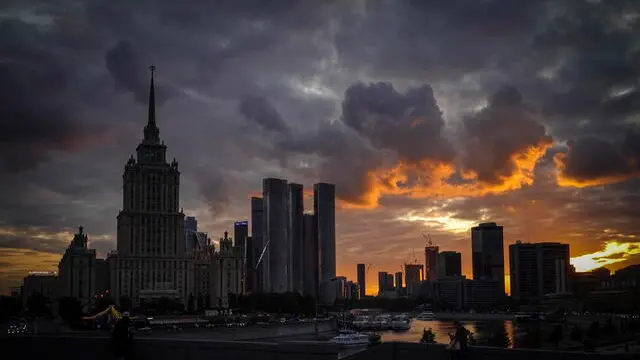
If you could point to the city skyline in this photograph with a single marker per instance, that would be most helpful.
(524, 141)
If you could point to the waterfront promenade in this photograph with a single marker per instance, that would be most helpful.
(68, 347)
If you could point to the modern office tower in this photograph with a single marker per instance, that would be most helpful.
(413, 274)
(362, 274)
(382, 281)
(257, 229)
(487, 245)
(276, 264)
(150, 226)
(449, 263)
(389, 282)
(311, 264)
(538, 269)
(296, 241)
(190, 223)
(431, 262)
(77, 271)
(240, 233)
(398, 281)
(325, 210)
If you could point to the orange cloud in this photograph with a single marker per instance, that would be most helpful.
(613, 252)
(432, 179)
(564, 180)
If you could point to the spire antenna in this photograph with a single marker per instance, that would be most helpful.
(151, 131)
(152, 97)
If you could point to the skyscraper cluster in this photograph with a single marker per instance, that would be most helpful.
(292, 251)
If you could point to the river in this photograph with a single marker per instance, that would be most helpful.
(482, 330)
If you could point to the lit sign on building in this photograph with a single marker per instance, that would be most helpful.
(237, 223)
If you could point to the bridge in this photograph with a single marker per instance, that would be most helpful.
(70, 347)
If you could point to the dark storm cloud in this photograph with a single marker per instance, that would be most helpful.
(131, 73)
(37, 115)
(260, 111)
(595, 161)
(495, 135)
(409, 124)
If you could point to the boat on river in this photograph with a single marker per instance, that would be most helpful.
(351, 338)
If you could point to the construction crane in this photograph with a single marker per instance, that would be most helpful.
(427, 237)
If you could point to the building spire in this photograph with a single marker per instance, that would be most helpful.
(152, 97)
(151, 131)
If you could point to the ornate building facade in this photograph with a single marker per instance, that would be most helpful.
(151, 255)
(77, 270)
(227, 273)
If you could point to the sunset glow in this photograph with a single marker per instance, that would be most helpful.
(613, 252)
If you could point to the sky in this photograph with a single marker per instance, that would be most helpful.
(429, 116)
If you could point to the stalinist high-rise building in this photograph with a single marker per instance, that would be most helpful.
(151, 260)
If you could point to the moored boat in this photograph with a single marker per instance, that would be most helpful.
(351, 338)
(426, 316)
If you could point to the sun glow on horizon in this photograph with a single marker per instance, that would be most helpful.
(613, 252)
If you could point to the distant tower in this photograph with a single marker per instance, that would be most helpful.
(311, 264)
(276, 264)
(296, 240)
(487, 245)
(324, 205)
(257, 229)
(431, 262)
(362, 285)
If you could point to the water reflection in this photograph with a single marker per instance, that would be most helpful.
(482, 331)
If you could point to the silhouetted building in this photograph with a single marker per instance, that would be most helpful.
(41, 282)
(296, 241)
(151, 252)
(449, 263)
(482, 294)
(256, 284)
(413, 276)
(383, 282)
(431, 263)
(227, 272)
(398, 281)
(190, 223)
(487, 245)
(15, 292)
(325, 211)
(449, 292)
(276, 266)
(77, 271)
(311, 265)
(538, 269)
(362, 284)
(240, 233)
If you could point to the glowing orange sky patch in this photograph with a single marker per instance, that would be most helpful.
(563, 180)
(613, 252)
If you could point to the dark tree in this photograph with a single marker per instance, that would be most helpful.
(38, 304)
(593, 331)
(500, 338)
(532, 339)
(200, 301)
(102, 303)
(190, 304)
(576, 333)
(125, 303)
(70, 311)
(556, 335)
(9, 307)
